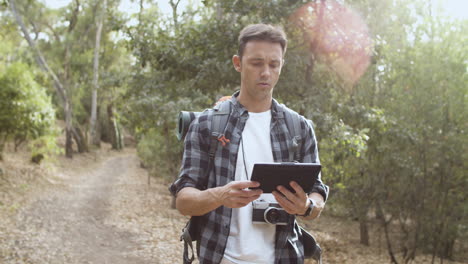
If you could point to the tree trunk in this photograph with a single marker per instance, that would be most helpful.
(95, 137)
(310, 70)
(62, 93)
(114, 130)
(448, 248)
(110, 127)
(2, 147)
(219, 11)
(385, 225)
(118, 135)
(18, 140)
(140, 13)
(80, 140)
(364, 231)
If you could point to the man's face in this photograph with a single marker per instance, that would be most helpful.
(260, 68)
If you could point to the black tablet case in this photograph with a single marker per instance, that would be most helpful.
(270, 175)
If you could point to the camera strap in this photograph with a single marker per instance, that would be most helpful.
(243, 158)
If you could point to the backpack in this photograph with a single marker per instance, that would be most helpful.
(221, 112)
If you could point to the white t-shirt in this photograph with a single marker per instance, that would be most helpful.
(250, 242)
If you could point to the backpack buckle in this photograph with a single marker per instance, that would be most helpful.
(223, 140)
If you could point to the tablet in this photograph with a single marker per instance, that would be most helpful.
(270, 175)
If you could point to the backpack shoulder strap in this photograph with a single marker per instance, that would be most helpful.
(221, 114)
(293, 122)
(219, 122)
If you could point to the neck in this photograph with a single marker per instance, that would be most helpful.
(255, 105)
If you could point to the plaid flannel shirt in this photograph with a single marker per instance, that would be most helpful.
(215, 225)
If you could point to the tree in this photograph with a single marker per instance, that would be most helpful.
(100, 20)
(62, 93)
(26, 111)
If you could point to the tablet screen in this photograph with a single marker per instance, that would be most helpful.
(270, 175)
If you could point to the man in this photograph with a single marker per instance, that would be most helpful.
(255, 132)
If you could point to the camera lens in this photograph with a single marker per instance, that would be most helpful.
(272, 215)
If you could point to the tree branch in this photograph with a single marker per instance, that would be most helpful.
(174, 12)
(74, 17)
(39, 57)
(54, 33)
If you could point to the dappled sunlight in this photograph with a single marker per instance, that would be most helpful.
(337, 35)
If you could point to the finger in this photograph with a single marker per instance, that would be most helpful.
(251, 193)
(245, 184)
(295, 202)
(297, 188)
(283, 202)
(289, 195)
(245, 199)
(246, 193)
(241, 202)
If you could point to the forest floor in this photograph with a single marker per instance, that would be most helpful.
(98, 208)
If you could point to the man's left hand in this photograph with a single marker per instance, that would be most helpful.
(298, 202)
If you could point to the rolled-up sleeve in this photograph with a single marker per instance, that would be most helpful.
(195, 160)
(310, 155)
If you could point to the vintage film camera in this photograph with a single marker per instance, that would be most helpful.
(271, 213)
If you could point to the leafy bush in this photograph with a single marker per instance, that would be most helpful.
(160, 154)
(26, 111)
(45, 146)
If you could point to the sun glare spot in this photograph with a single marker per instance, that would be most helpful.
(337, 36)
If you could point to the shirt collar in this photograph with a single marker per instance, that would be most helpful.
(276, 110)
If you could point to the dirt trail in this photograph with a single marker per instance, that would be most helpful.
(98, 208)
(98, 214)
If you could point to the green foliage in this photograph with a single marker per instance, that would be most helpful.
(46, 145)
(26, 111)
(428, 101)
(156, 161)
(26, 108)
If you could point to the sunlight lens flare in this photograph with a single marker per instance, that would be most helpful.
(337, 36)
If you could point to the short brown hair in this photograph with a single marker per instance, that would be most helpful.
(262, 32)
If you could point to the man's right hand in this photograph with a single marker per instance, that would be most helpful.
(191, 201)
(236, 194)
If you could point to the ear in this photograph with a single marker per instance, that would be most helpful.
(236, 61)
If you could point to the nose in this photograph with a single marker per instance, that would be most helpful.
(265, 72)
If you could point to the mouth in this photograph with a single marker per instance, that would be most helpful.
(263, 84)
